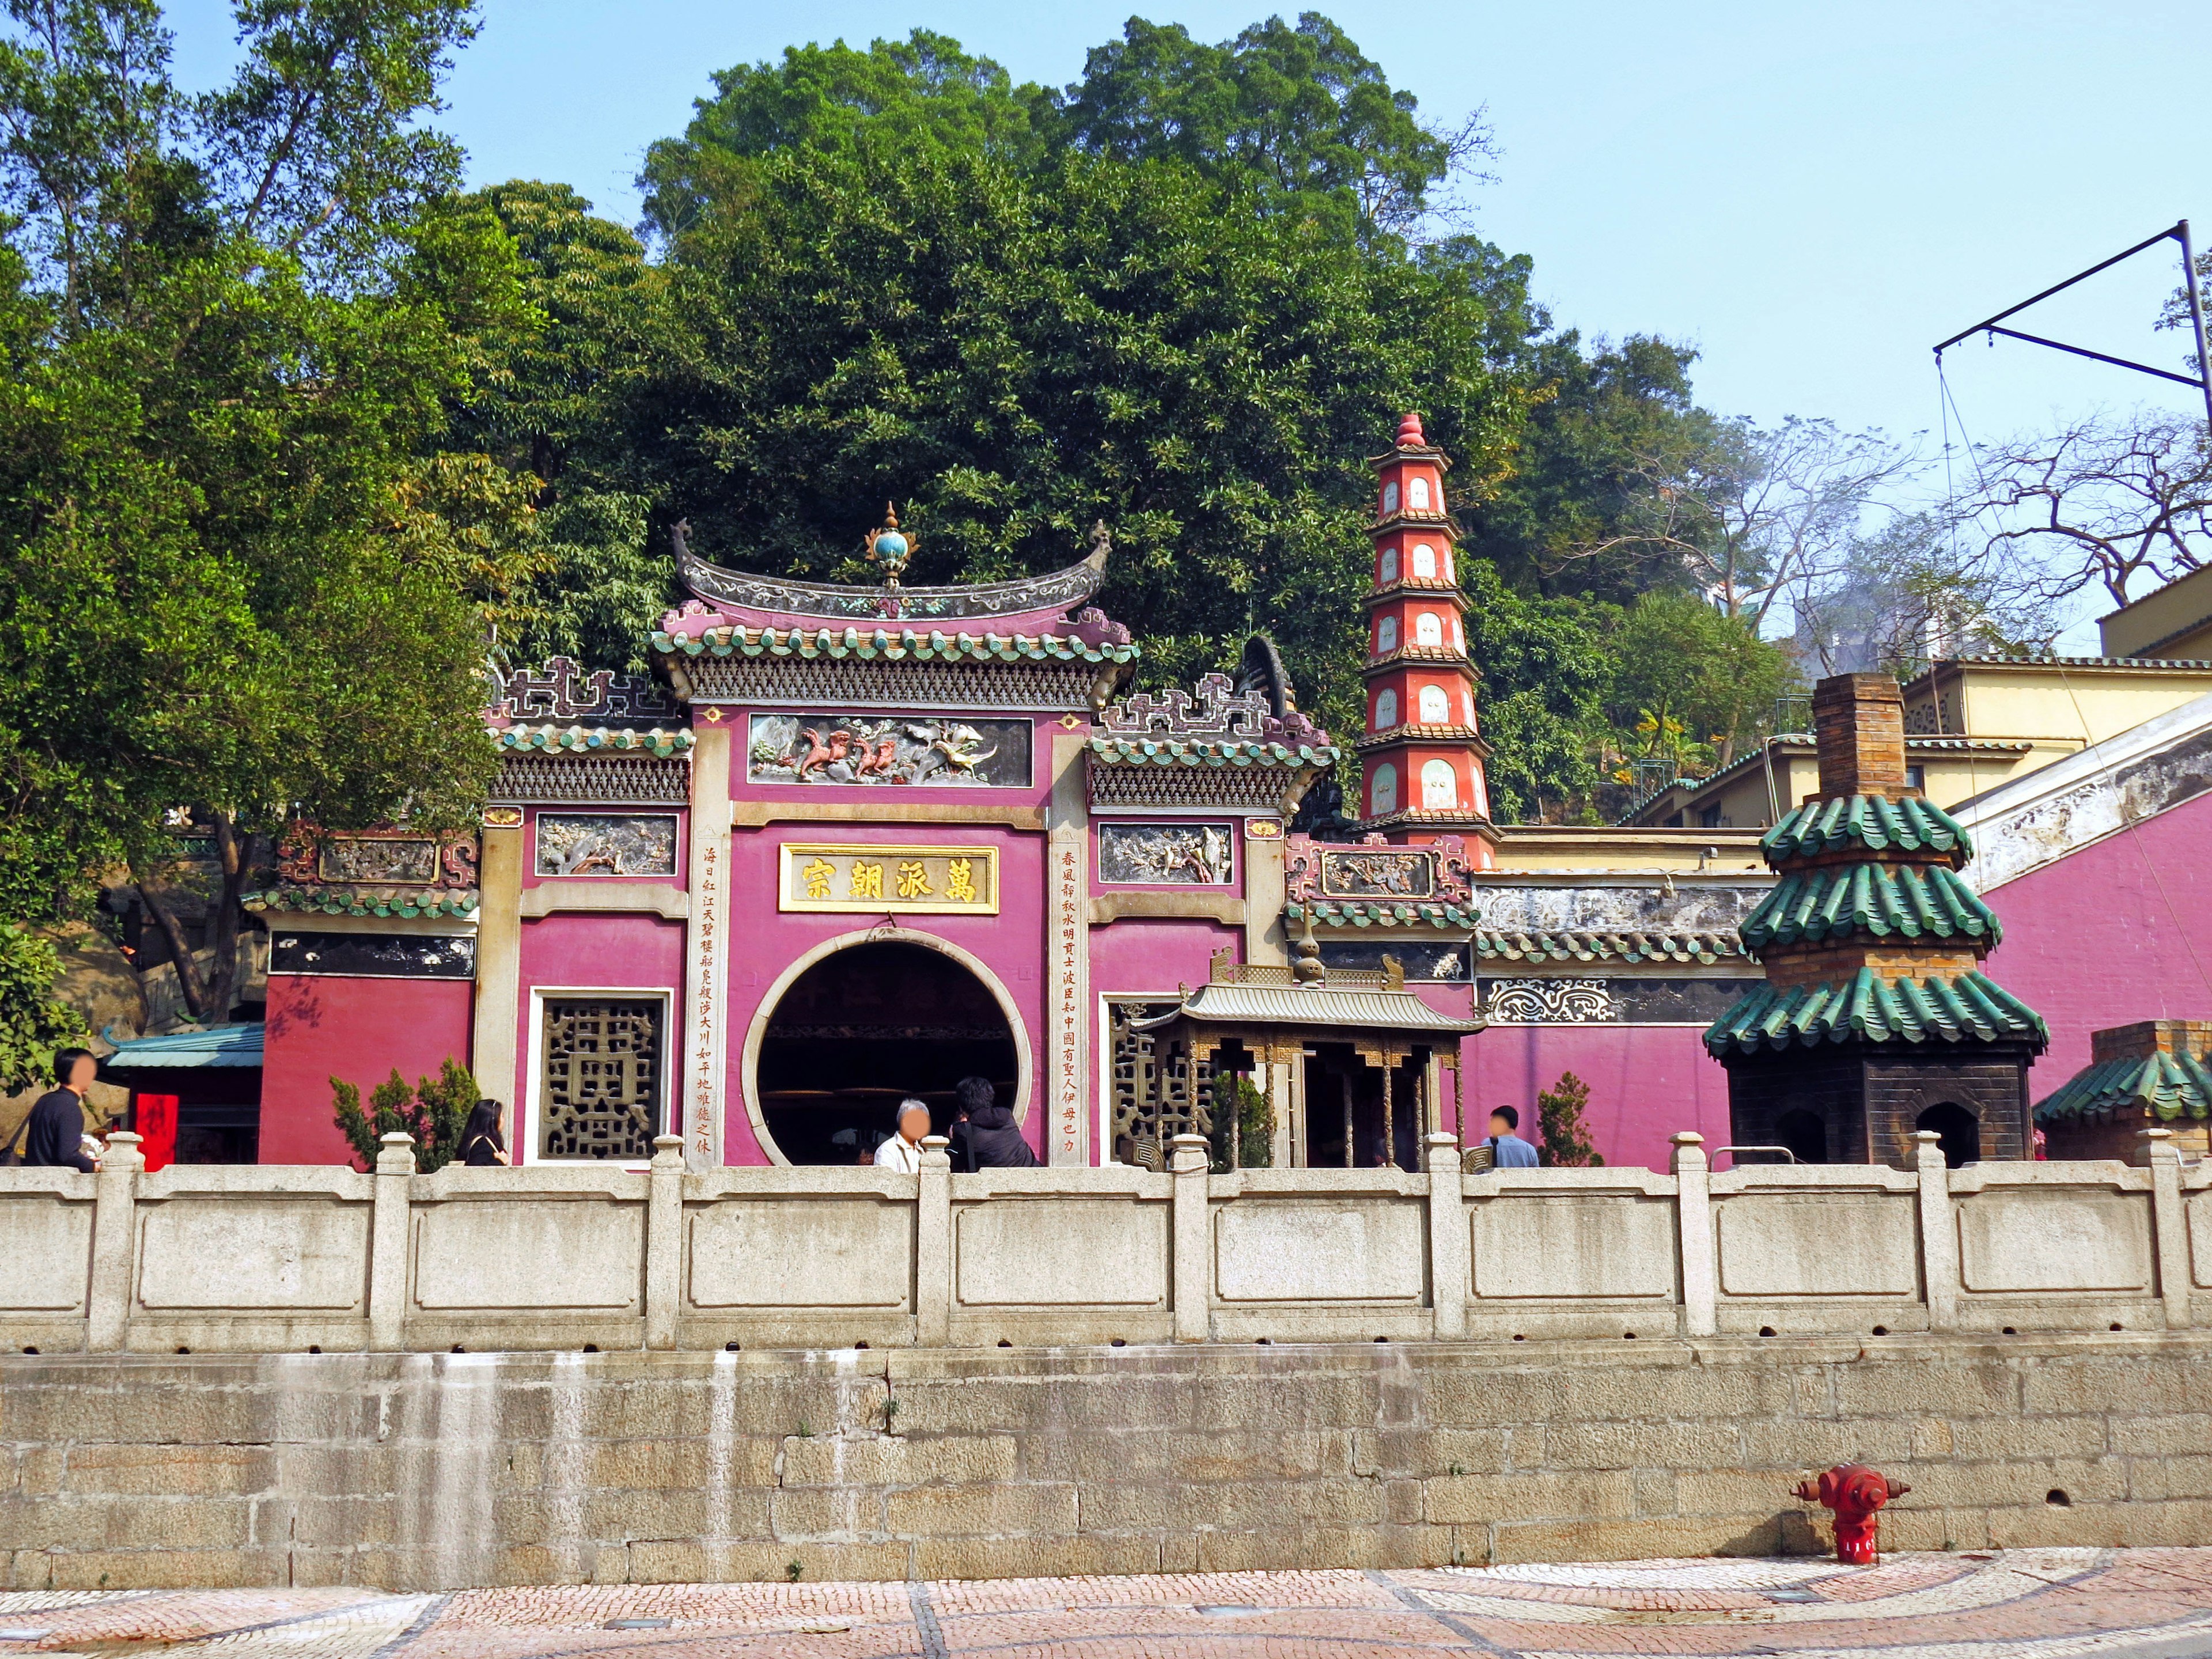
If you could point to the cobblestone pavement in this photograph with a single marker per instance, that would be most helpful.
(2014, 1604)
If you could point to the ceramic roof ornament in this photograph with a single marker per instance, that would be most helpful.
(889, 548)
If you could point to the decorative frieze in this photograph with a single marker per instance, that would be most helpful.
(308, 856)
(1167, 854)
(928, 752)
(599, 779)
(563, 693)
(373, 956)
(1547, 1002)
(1631, 999)
(606, 844)
(1049, 684)
(1061, 589)
(1258, 789)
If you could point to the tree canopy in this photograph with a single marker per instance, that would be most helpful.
(244, 577)
(295, 433)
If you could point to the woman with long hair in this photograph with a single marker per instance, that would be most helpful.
(482, 1147)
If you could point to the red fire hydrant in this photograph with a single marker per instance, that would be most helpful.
(1855, 1492)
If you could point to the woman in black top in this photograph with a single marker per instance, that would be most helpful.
(481, 1146)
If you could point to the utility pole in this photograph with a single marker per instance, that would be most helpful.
(2195, 321)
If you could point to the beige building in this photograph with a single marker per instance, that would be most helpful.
(2176, 621)
(1972, 723)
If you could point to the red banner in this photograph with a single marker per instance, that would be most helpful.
(154, 1118)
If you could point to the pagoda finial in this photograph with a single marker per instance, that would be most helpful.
(1410, 436)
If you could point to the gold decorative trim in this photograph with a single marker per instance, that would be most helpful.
(887, 879)
(759, 814)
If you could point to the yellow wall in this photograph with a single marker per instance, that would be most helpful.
(2174, 623)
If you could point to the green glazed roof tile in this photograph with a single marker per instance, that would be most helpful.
(1588, 944)
(1361, 913)
(1209, 752)
(588, 740)
(1962, 1008)
(366, 902)
(1871, 823)
(2167, 1086)
(1880, 901)
(883, 644)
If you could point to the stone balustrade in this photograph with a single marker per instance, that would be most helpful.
(275, 1260)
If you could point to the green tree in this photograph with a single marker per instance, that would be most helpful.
(1013, 355)
(1295, 113)
(241, 578)
(1565, 1138)
(34, 1021)
(434, 1112)
(1546, 670)
(923, 93)
(1701, 682)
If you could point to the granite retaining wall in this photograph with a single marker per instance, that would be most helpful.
(435, 1471)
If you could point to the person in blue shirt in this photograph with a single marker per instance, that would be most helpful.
(1508, 1150)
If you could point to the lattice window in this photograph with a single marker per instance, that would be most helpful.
(600, 1091)
(1146, 1114)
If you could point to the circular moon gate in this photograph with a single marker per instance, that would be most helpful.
(862, 1028)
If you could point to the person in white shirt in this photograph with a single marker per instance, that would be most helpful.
(903, 1151)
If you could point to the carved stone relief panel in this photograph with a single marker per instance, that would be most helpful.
(387, 860)
(929, 751)
(606, 844)
(373, 956)
(1167, 854)
(1375, 874)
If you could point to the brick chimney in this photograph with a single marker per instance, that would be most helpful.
(1858, 725)
(2191, 1038)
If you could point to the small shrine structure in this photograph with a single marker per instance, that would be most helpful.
(1875, 1020)
(2155, 1074)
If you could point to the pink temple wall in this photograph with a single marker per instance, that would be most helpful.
(764, 941)
(322, 1026)
(2111, 934)
(597, 951)
(1646, 1083)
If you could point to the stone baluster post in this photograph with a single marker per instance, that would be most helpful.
(1189, 1157)
(663, 1240)
(932, 1246)
(2170, 1222)
(1449, 1278)
(114, 1237)
(1938, 1232)
(389, 1244)
(1693, 1230)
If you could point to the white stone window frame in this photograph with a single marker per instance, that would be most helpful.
(522, 1145)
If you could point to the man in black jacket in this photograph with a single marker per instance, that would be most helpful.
(987, 1138)
(53, 1139)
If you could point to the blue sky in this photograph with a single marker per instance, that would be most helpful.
(1811, 195)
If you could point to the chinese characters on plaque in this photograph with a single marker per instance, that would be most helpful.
(888, 878)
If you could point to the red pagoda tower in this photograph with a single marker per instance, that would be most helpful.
(1421, 760)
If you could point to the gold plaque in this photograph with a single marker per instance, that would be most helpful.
(888, 878)
(502, 818)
